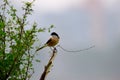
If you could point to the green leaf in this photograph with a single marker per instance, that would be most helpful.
(37, 60)
(52, 26)
(2, 24)
(49, 29)
(41, 29)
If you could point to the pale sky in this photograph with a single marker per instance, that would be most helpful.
(79, 26)
(58, 6)
(62, 5)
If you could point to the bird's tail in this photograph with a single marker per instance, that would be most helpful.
(41, 48)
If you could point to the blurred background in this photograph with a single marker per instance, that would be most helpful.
(80, 24)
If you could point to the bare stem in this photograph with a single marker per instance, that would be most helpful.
(49, 65)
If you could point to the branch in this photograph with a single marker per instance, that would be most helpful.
(11, 68)
(3, 38)
(49, 65)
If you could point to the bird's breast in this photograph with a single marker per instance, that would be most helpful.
(53, 42)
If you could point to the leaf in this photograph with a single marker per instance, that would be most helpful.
(41, 30)
(52, 26)
(37, 60)
(2, 24)
(49, 29)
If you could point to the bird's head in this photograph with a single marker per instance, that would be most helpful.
(54, 34)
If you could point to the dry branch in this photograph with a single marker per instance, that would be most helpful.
(49, 65)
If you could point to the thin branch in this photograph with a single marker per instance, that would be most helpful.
(11, 69)
(3, 37)
(28, 63)
(49, 65)
(76, 50)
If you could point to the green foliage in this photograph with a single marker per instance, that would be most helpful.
(49, 29)
(16, 43)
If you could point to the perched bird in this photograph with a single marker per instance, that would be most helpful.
(54, 39)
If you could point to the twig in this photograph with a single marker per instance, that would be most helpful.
(76, 50)
(11, 68)
(49, 65)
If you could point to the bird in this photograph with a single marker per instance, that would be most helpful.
(54, 40)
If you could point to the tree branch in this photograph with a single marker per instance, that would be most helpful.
(49, 65)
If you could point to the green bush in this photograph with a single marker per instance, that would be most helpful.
(16, 43)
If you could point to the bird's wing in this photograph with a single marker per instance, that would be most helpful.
(44, 45)
(48, 41)
(41, 47)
